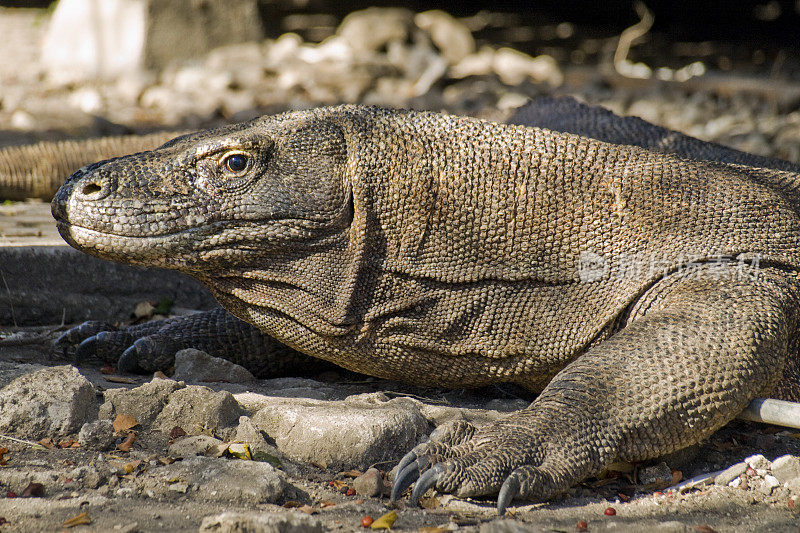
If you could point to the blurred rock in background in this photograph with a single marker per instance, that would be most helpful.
(88, 39)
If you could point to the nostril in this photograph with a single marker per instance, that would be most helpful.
(91, 188)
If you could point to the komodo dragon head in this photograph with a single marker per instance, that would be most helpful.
(213, 200)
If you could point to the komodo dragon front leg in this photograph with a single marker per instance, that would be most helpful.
(152, 346)
(694, 352)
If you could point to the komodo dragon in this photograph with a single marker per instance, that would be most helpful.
(647, 297)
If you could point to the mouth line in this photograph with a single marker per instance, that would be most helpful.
(69, 225)
(220, 225)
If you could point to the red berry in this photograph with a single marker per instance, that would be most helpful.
(582, 526)
(11, 494)
(610, 511)
(366, 521)
(331, 483)
(351, 492)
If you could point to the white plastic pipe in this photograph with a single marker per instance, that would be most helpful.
(770, 411)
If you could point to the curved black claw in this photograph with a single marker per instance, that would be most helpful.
(405, 478)
(508, 492)
(407, 459)
(86, 349)
(129, 360)
(426, 481)
(83, 331)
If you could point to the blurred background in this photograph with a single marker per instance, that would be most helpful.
(722, 71)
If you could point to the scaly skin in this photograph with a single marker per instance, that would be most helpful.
(648, 297)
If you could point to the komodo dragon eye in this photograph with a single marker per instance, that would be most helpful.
(235, 163)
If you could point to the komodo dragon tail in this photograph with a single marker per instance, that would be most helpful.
(38, 170)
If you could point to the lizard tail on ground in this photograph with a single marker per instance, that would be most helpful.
(38, 170)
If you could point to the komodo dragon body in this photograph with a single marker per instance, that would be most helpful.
(647, 297)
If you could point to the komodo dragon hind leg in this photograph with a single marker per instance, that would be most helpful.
(694, 352)
(152, 345)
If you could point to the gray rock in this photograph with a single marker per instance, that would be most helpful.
(769, 484)
(197, 365)
(247, 432)
(128, 35)
(144, 403)
(97, 435)
(730, 473)
(198, 409)
(758, 462)
(260, 522)
(659, 474)
(369, 483)
(225, 480)
(375, 27)
(89, 476)
(509, 526)
(448, 34)
(343, 435)
(513, 67)
(673, 526)
(786, 468)
(52, 402)
(191, 446)
(49, 284)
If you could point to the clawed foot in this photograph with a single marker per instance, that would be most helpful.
(502, 458)
(137, 349)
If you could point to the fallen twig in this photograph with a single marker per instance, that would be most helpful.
(34, 445)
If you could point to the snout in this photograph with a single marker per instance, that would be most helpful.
(84, 185)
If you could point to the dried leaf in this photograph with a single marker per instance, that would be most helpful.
(107, 369)
(130, 467)
(124, 422)
(291, 504)
(386, 521)
(176, 432)
(160, 375)
(127, 444)
(307, 509)
(432, 530)
(429, 503)
(338, 484)
(77, 520)
(67, 443)
(47, 443)
(33, 490)
(120, 379)
(326, 503)
(3, 461)
(351, 473)
(240, 450)
(677, 476)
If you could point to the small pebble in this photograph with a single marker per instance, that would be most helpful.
(610, 511)
(366, 521)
